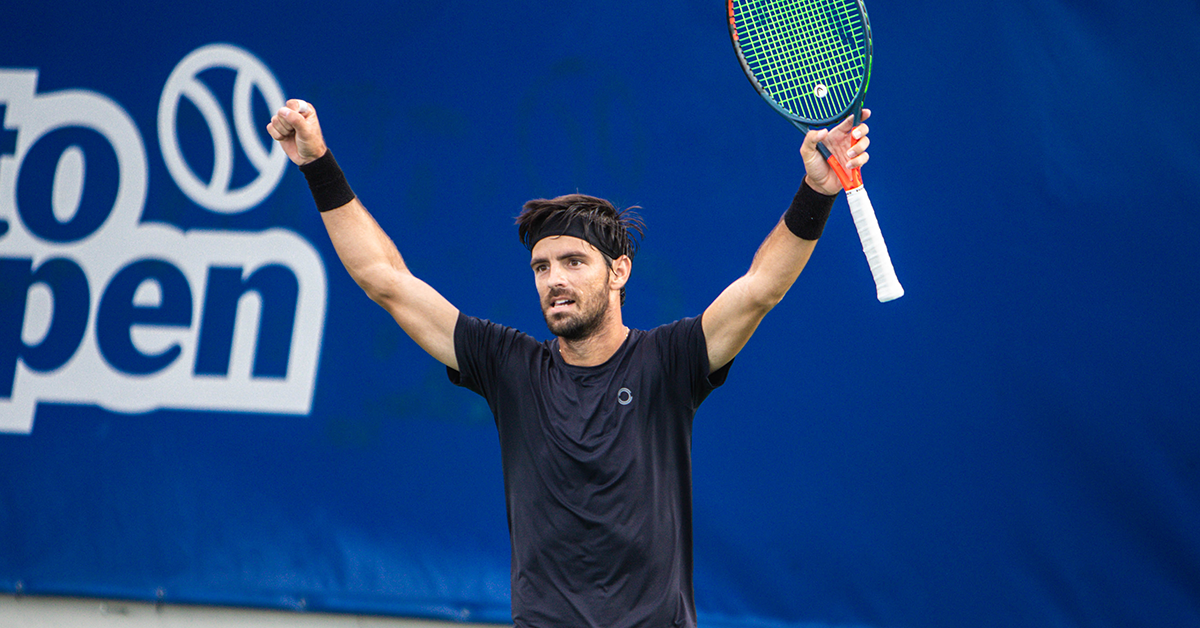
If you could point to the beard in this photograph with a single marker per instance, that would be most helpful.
(580, 324)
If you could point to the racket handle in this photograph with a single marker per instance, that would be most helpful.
(887, 286)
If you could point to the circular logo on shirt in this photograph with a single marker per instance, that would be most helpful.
(624, 396)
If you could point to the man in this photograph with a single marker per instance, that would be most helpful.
(594, 424)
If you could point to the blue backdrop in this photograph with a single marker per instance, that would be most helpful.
(1014, 442)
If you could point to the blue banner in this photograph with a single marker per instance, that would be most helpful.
(198, 405)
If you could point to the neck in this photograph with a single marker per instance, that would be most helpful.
(597, 348)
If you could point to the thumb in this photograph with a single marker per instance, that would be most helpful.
(809, 152)
(819, 173)
(295, 114)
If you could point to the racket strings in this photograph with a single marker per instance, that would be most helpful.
(809, 56)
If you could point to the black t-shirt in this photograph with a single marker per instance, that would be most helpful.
(597, 471)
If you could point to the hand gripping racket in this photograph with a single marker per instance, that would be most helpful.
(811, 61)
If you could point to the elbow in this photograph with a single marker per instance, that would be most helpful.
(381, 283)
(377, 294)
(760, 301)
(768, 300)
(765, 295)
(755, 295)
(765, 287)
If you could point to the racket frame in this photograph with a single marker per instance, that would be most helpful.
(802, 122)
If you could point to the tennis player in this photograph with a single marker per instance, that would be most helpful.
(595, 424)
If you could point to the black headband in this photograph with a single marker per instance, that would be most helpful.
(562, 223)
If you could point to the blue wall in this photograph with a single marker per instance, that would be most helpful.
(1014, 442)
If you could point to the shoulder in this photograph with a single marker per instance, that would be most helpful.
(485, 350)
(678, 343)
(680, 353)
(474, 334)
(682, 330)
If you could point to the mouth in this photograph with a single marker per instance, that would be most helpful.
(559, 304)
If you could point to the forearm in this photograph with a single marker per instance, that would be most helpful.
(785, 252)
(735, 314)
(776, 266)
(366, 251)
(375, 264)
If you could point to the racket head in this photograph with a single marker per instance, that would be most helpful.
(809, 59)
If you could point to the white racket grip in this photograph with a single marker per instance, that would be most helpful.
(887, 286)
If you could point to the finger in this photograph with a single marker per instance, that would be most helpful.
(283, 121)
(849, 121)
(859, 161)
(279, 128)
(858, 148)
(845, 125)
(300, 106)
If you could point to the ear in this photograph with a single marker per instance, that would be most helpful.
(622, 267)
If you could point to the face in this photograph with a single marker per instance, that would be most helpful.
(572, 283)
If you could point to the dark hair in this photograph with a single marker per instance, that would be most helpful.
(610, 230)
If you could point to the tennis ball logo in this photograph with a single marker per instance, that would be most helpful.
(252, 75)
(820, 90)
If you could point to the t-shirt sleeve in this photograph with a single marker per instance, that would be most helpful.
(482, 348)
(687, 351)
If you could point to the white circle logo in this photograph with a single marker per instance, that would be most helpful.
(183, 82)
(820, 90)
(624, 396)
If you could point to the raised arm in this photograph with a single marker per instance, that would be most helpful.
(368, 254)
(735, 314)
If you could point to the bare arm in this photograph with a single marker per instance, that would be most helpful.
(368, 254)
(735, 314)
(732, 318)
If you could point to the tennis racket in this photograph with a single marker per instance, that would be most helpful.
(811, 61)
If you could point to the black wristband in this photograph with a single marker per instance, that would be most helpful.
(327, 182)
(807, 215)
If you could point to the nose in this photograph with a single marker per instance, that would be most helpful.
(555, 276)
